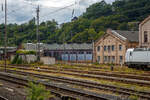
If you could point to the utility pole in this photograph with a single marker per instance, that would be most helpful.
(37, 35)
(64, 49)
(5, 51)
(93, 50)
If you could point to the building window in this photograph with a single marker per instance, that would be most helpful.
(81, 52)
(108, 58)
(113, 59)
(105, 48)
(89, 52)
(113, 47)
(120, 47)
(108, 48)
(121, 59)
(145, 37)
(98, 58)
(105, 58)
(98, 48)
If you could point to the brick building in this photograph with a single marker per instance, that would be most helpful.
(144, 33)
(111, 47)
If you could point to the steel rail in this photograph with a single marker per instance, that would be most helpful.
(112, 78)
(88, 84)
(58, 88)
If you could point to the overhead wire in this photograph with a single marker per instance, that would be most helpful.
(46, 15)
(55, 11)
(60, 9)
(15, 10)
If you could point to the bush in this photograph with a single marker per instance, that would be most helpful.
(37, 92)
(133, 97)
(96, 63)
(25, 52)
(31, 52)
(19, 61)
(15, 59)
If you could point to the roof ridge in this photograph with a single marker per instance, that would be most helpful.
(117, 34)
(145, 20)
(126, 31)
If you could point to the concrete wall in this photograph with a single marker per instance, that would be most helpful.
(48, 60)
(27, 58)
(33, 58)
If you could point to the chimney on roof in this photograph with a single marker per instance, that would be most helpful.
(109, 30)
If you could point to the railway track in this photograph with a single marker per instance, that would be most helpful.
(139, 77)
(94, 68)
(89, 84)
(147, 73)
(57, 88)
(2, 98)
(104, 77)
(98, 68)
(129, 76)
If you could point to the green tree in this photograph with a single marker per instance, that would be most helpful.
(98, 9)
(92, 34)
(120, 15)
(14, 61)
(37, 92)
(123, 26)
(101, 33)
(19, 60)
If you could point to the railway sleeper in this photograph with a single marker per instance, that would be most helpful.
(70, 91)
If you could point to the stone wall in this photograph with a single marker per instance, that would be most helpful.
(110, 40)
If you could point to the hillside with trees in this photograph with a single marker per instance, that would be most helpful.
(120, 15)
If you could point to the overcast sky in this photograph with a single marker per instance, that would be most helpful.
(20, 11)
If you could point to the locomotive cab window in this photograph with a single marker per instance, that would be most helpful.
(130, 53)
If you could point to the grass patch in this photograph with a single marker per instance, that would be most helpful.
(105, 82)
(104, 68)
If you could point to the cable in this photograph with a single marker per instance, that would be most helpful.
(56, 11)
(42, 17)
(14, 11)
